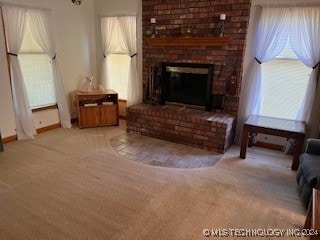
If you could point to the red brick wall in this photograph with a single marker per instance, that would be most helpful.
(203, 16)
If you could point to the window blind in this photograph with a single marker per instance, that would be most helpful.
(38, 77)
(284, 85)
(118, 70)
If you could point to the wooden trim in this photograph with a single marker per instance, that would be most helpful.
(40, 109)
(312, 220)
(316, 209)
(47, 128)
(188, 42)
(9, 139)
(268, 145)
(39, 130)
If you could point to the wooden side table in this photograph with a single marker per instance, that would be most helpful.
(278, 127)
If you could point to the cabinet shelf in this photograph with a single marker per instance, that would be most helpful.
(188, 42)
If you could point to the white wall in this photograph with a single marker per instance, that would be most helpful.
(46, 118)
(76, 54)
(7, 121)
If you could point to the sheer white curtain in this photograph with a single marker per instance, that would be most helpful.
(42, 29)
(15, 23)
(271, 38)
(108, 27)
(128, 28)
(305, 32)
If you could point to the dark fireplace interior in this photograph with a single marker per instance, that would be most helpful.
(187, 83)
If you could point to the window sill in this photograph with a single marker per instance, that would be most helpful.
(40, 109)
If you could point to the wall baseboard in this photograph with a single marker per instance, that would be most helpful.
(48, 128)
(268, 145)
(9, 139)
(39, 130)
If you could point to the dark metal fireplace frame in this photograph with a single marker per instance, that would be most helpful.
(208, 95)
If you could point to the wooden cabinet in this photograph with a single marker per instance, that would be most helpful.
(97, 108)
(108, 116)
(89, 116)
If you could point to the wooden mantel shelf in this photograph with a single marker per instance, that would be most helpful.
(188, 42)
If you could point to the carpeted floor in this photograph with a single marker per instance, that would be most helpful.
(157, 152)
(72, 184)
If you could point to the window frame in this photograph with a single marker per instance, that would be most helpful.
(30, 46)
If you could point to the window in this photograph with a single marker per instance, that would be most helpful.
(285, 78)
(37, 72)
(118, 67)
(118, 62)
(284, 85)
(38, 77)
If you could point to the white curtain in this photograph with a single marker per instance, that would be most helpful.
(128, 29)
(271, 38)
(15, 23)
(124, 28)
(306, 45)
(42, 29)
(108, 27)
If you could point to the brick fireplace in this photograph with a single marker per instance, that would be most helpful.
(205, 130)
(202, 46)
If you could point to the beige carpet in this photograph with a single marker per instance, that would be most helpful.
(71, 184)
(157, 152)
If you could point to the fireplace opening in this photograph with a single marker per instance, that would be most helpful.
(187, 83)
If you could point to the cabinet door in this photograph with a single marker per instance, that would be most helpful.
(89, 116)
(109, 115)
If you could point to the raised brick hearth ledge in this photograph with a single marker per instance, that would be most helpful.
(205, 130)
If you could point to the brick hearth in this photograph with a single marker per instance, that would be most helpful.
(205, 130)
